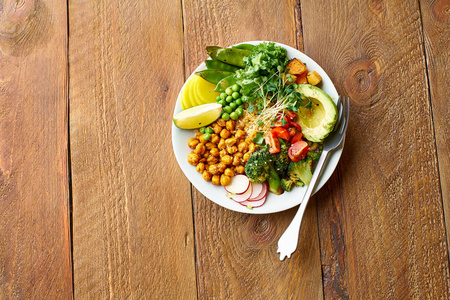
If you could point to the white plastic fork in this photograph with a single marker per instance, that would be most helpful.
(289, 240)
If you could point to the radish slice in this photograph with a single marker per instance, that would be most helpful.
(257, 188)
(239, 185)
(242, 197)
(254, 203)
(262, 192)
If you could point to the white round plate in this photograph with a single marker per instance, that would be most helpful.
(274, 203)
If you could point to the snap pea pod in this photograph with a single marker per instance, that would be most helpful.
(213, 76)
(224, 83)
(213, 64)
(248, 47)
(231, 56)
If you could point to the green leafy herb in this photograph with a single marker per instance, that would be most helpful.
(259, 138)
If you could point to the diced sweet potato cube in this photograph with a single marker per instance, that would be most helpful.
(301, 79)
(296, 67)
(313, 77)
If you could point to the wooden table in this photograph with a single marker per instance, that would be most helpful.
(93, 204)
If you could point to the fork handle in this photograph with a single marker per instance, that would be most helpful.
(293, 229)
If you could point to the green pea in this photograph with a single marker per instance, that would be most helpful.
(238, 101)
(202, 130)
(235, 95)
(234, 116)
(241, 107)
(228, 109)
(225, 116)
(218, 98)
(229, 99)
(239, 111)
(235, 88)
(228, 91)
(207, 136)
(209, 130)
(233, 105)
(223, 102)
(223, 95)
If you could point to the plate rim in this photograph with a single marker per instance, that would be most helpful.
(225, 202)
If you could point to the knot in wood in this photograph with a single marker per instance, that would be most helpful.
(261, 231)
(361, 79)
(24, 25)
(441, 10)
(377, 6)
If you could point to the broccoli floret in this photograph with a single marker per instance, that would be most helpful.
(287, 184)
(300, 172)
(257, 166)
(281, 159)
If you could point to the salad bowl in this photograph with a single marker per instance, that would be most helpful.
(274, 203)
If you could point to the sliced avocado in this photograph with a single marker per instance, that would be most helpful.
(318, 121)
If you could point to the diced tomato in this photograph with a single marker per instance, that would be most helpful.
(297, 151)
(296, 138)
(280, 132)
(290, 115)
(273, 142)
(296, 125)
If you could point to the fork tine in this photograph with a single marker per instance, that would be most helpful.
(338, 105)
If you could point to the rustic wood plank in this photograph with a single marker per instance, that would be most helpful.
(132, 209)
(392, 243)
(236, 253)
(435, 19)
(35, 258)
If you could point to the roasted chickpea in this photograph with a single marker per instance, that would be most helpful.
(209, 146)
(243, 147)
(225, 180)
(222, 167)
(227, 159)
(239, 154)
(240, 134)
(214, 152)
(206, 175)
(215, 180)
(217, 128)
(236, 161)
(230, 141)
(223, 152)
(200, 167)
(251, 147)
(214, 138)
(230, 125)
(202, 139)
(221, 144)
(221, 122)
(193, 158)
(225, 134)
(206, 154)
(193, 142)
(229, 172)
(240, 169)
(246, 156)
(214, 169)
(212, 160)
(232, 149)
(200, 149)
(202, 160)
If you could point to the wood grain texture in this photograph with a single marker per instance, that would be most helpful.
(132, 210)
(436, 30)
(387, 199)
(35, 259)
(236, 253)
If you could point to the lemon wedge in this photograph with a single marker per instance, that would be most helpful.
(197, 116)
